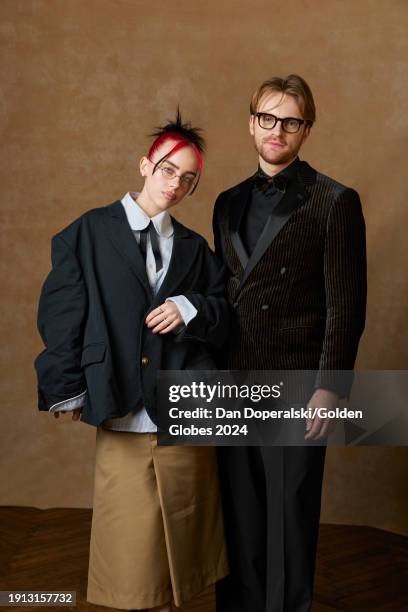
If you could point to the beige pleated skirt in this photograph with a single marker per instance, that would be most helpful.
(157, 529)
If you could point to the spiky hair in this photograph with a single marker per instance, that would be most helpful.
(185, 130)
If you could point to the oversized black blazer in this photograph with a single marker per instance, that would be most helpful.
(92, 310)
(300, 299)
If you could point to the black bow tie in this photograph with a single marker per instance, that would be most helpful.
(264, 183)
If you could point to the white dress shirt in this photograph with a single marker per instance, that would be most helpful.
(139, 220)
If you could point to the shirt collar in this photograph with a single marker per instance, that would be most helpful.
(138, 219)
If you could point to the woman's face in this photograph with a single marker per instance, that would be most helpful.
(172, 179)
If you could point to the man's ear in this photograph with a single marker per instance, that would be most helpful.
(251, 124)
(306, 133)
(143, 164)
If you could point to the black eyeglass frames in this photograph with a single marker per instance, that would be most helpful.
(289, 124)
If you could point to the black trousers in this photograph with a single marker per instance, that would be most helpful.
(271, 500)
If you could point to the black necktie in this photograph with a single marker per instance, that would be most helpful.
(154, 242)
(264, 182)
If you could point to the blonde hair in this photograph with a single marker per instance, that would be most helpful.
(292, 85)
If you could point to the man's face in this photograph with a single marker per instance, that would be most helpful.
(173, 178)
(275, 146)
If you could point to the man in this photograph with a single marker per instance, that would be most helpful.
(293, 241)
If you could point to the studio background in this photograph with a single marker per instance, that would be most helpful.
(83, 83)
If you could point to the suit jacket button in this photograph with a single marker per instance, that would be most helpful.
(282, 270)
(235, 305)
(145, 360)
(265, 307)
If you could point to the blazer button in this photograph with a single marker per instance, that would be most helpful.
(145, 360)
(235, 305)
(265, 307)
(282, 270)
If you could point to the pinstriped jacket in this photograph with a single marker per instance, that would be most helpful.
(299, 299)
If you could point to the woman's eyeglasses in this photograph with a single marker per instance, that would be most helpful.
(169, 173)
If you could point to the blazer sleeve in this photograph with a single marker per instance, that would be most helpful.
(211, 323)
(217, 230)
(345, 273)
(61, 316)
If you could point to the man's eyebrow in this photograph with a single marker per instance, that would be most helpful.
(178, 167)
(273, 115)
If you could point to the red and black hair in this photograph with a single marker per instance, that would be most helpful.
(184, 135)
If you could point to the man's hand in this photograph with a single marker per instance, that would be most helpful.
(319, 428)
(164, 319)
(75, 413)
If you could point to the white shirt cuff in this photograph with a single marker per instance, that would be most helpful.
(70, 404)
(187, 310)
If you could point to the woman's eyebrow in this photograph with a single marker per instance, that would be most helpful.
(177, 167)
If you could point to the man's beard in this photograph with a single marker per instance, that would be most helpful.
(276, 158)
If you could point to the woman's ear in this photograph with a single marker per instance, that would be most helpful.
(143, 164)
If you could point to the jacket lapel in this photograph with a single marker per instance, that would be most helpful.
(294, 197)
(122, 238)
(183, 257)
(183, 254)
(238, 203)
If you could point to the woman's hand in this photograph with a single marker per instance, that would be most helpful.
(164, 319)
(75, 413)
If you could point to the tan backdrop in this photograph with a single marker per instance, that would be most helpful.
(82, 83)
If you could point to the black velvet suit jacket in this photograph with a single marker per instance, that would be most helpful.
(300, 299)
(92, 310)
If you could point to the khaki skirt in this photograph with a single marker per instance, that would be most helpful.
(157, 530)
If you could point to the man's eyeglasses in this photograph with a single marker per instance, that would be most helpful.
(169, 173)
(291, 125)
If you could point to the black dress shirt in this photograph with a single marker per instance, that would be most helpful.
(261, 204)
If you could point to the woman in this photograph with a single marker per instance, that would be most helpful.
(133, 291)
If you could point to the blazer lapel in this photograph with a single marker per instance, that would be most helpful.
(294, 197)
(238, 203)
(183, 257)
(122, 238)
